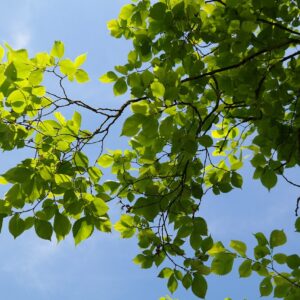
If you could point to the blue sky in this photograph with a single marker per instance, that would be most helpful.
(101, 267)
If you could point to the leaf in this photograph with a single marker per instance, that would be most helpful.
(62, 225)
(2, 52)
(261, 239)
(132, 125)
(199, 286)
(67, 68)
(187, 280)
(43, 229)
(125, 226)
(17, 99)
(245, 268)
(195, 240)
(81, 76)
(172, 284)
(58, 49)
(277, 238)
(105, 161)
(126, 11)
(16, 226)
(140, 108)
(206, 141)
(157, 11)
(95, 174)
(236, 180)
(158, 89)
(82, 230)
(63, 181)
(216, 249)
(280, 258)
(165, 273)
(196, 190)
(222, 263)
(18, 174)
(269, 178)
(100, 206)
(239, 247)
(120, 87)
(261, 251)
(293, 261)
(80, 159)
(297, 224)
(108, 77)
(207, 244)
(80, 60)
(265, 287)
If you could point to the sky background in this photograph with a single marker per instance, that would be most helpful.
(101, 267)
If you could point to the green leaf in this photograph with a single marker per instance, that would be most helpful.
(207, 244)
(297, 224)
(120, 87)
(80, 60)
(15, 196)
(132, 125)
(261, 251)
(81, 76)
(277, 238)
(261, 239)
(43, 229)
(80, 159)
(216, 249)
(125, 226)
(17, 99)
(100, 206)
(172, 284)
(114, 28)
(157, 11)
(82, 230)
(2, 52)
(282, 290)
(140, 108)
(126, 11)
(63, 181)
(245, 268)
(62, 225)
(206, 141)
(239, 247)
(236, 180)
(165, 273)
(196, 190)
(268, 178)
(105, 161)
(58, 49)
(280, 258)
(293, 261)
(195, 240)
(17, 174)
(95, 174)
(108, 77)
(199, 286)
(266, 287)
(187, 280)
(16, 226)
(222, 263)
(158, 89)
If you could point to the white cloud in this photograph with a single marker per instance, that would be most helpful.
(21, 39)
(28, 262)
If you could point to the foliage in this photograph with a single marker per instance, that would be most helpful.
(210, 81)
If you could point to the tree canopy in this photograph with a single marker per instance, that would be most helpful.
(209, 83)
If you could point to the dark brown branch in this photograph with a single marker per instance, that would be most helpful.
(279, 26)
(242, 62)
